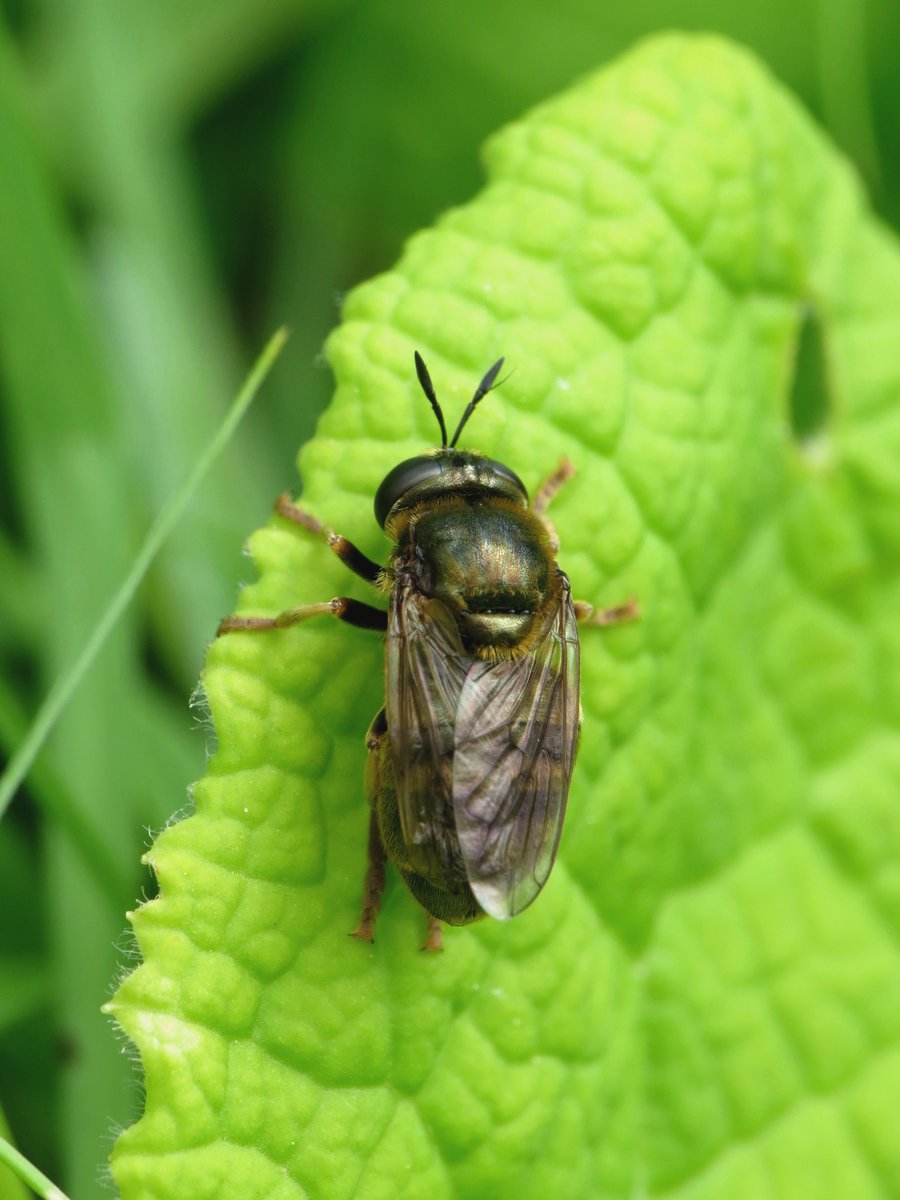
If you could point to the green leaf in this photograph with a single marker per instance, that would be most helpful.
(705, 1000)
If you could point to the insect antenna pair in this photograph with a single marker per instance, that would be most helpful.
(480, 392)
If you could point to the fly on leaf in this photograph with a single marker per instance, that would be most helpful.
(471, 757)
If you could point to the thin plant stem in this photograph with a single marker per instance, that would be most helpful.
(58, 696)
(51, 794)
(28, 1173)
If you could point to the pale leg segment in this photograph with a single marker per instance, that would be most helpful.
(373, 886)
(616, 614)
(434, 936)
(545, 493)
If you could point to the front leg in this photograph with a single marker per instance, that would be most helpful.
(349, 555)
(545, 494)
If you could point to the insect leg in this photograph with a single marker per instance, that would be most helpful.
(545, 493)
(434, 938)
(615, 615)
(374, 884)
(358, 563)
(354, 612)
(551, 486)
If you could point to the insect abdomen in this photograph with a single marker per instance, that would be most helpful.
(449, 899)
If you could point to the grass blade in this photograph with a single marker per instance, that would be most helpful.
(58, 696)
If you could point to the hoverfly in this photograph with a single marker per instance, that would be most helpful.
(471, 756)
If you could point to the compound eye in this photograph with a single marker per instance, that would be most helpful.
(504, 472)
(398, 482)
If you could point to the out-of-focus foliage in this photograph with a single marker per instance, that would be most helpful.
(175, 180)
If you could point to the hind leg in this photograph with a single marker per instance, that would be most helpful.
(373, 887)
(614, 615)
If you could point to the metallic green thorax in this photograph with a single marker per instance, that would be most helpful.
(465, 535)
(487, 560)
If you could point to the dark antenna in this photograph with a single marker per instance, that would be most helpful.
(483, 388)
(428, 389)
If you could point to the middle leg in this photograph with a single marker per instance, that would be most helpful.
(354, 612)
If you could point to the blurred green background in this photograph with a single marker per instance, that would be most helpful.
(176, 180)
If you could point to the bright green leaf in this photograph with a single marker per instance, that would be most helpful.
(705, 1000)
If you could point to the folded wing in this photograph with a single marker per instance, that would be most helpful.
(516, 732)
(426, 667)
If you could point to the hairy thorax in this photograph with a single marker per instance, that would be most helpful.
(488, 561)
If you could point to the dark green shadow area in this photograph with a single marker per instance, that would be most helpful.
(810, 400)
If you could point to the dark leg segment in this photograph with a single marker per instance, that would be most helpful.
(358, 563)
(374, 884)
(354, 612)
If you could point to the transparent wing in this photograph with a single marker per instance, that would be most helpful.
(426, 666)
(516, 734)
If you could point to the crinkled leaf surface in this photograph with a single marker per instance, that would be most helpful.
(705, 1000)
